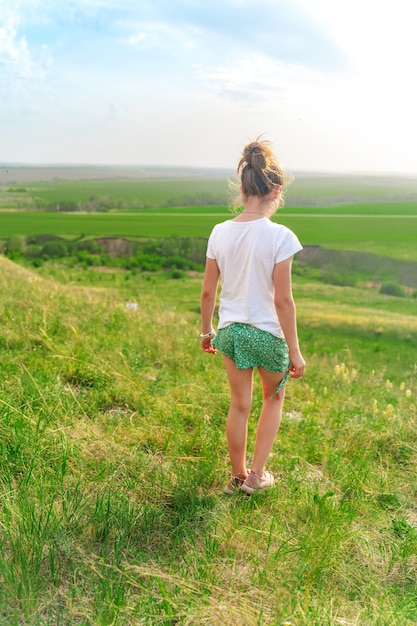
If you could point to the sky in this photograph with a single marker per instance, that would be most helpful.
(331, 83)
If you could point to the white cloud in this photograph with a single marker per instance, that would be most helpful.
(22, 65)
(14, 52)
(160, 35)
(139, 40)
(257, 80)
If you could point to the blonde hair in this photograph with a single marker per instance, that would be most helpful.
(259, 171)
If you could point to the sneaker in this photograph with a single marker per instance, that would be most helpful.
(257, 483)
(233, 486)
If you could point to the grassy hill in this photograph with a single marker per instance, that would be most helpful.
(113, 460)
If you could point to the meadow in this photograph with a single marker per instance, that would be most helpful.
(113, 461)
(360, 213)
(147, 188)
(390, 232)
(113, 455)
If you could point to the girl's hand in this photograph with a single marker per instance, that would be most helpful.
(297, 365)
(207, 347)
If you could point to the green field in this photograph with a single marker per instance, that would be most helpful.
(159, 187)
(117, 193)
(390, 231)
(374, 214)
(143, 193)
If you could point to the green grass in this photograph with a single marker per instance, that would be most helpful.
(113, 451)
(159, 188)
(142, 192)
(321, 190)
(386, 234)
(359, 209)
(113, 460)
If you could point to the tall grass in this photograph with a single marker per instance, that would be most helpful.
(113, 461)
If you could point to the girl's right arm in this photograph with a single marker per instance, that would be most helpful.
(286, 311)
(208, 301)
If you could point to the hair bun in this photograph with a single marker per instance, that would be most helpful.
(258, 169)
(254, 155)
(257, 154)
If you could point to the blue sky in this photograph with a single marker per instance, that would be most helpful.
(188, 82)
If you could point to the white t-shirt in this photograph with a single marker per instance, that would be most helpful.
(246, 254)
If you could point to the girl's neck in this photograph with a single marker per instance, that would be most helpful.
(254, 208)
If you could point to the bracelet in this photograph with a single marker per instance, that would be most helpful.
(207, 335)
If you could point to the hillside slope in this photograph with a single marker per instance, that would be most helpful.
(113, 460)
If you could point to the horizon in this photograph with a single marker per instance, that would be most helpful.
(226, 171)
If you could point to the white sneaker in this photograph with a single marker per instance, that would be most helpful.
(257, 483)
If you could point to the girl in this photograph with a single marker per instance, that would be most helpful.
(252, 258)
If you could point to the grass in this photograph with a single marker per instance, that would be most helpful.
(113, 460)
(386, 234)
(374, 215)
(160, 188)
(136, 192)
(131, 193)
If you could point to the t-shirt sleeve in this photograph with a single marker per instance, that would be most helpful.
(288, 244)
(210, 254)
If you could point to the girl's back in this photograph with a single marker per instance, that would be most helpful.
(246, 254)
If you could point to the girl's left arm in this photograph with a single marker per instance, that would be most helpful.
(286, 311)
(208, 301)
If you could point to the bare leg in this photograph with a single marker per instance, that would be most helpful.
(240, 382)
(269, 419)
